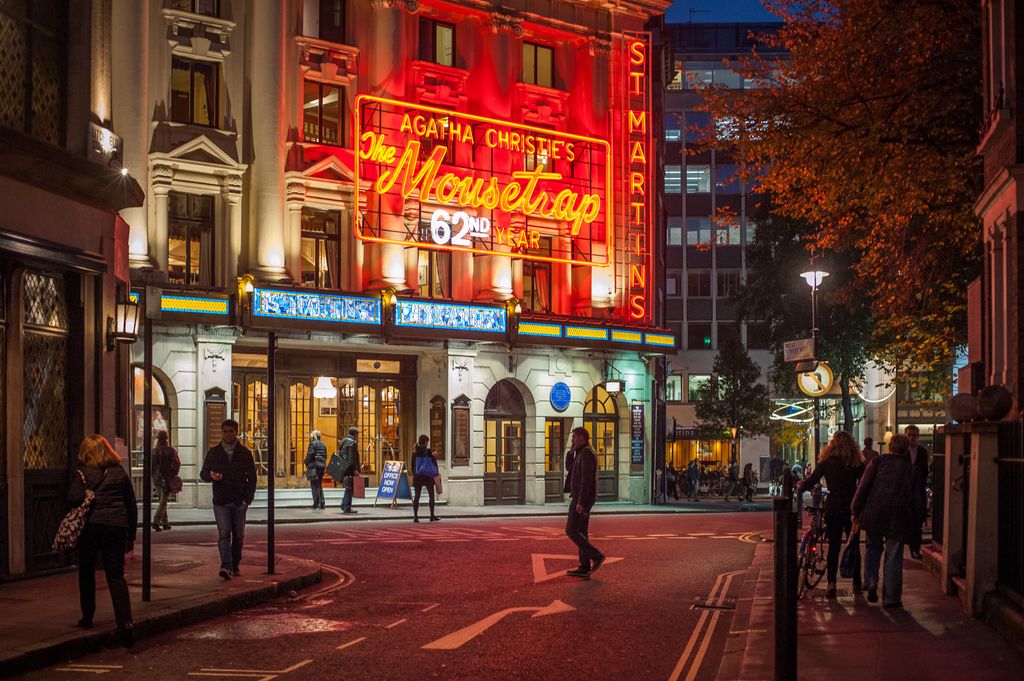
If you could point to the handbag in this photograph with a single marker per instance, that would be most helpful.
(174, 484)
(850, 559)
(437, 484)
(311, 473)
(70, 529)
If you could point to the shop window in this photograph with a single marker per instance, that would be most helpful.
(332, 21)
(434, 274)
(323, 110)
(674, 388)
(437, 42)
(675, 232)
(698, 284)
(698, 336)
(698, 231)
(537, 280)
(190, 239)
(673, 283)
(319, 248)
(601, 419)
(728, 283)
(555, 444)
(195, 91)
(673, 179)
(208, 8)
(694, 384)
(161, 410)
(698, 179)
(538, 65)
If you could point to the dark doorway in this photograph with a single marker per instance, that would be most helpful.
(601, 419)
(504, 431)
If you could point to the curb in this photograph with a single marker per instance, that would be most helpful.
(169, 618)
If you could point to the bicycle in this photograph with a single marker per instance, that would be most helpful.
(812, 557)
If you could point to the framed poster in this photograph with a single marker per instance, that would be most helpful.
(636, 434)
(437, 427)
(460, 431)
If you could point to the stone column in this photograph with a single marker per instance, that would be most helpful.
(267, 69)
(295, 193)
(162, 179)
(231, 192)
(130, 113)
(982, 550)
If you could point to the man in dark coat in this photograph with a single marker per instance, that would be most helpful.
(349, 450)
(919, 460)
(231, 469)
(581, 484)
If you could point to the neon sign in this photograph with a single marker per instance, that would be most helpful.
(637, 154)
(454, 181)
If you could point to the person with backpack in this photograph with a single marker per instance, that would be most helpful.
(424, 472)
(316, 464)
(165, 467)
(109, 530)
(344, 465)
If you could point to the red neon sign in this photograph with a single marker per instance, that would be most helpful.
(637, 155)
(454, 181)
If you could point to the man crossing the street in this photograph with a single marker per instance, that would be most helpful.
(581, 484)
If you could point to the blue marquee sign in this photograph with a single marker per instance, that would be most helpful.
(317, 307)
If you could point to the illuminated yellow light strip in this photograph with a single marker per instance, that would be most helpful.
(586, 333)
(627, 336)
(538, 329)
(189, 304)
(661, 339)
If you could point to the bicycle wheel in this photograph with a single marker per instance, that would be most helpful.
(814, 567)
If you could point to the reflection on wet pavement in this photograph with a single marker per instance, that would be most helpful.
(267, 626)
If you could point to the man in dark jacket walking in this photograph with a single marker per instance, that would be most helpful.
(919, 460)
(349, 450)
(231, 469)
(581, 484)
(316, 463)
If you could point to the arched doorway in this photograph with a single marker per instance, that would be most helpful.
(163, 415)
(601, 419)
(504, 433)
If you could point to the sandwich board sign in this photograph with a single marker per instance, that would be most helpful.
(393, 483)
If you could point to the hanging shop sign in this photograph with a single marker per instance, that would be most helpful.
(481, 185)
(638, 155)
(636, 434)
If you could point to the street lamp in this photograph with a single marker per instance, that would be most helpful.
(814, 279)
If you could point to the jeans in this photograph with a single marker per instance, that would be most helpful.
(346, 497)
(421, 481)
(577, 526)
(835, 528)
(892, 584)
(111, 542)
(230, 533)
(161, 509)
(316, 484)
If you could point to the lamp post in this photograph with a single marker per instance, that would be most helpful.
(814, 279)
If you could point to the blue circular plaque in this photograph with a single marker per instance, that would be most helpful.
(560, 396)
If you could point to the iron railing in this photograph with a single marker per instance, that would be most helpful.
(1011, 508)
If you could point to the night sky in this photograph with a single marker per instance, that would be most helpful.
(707, 11)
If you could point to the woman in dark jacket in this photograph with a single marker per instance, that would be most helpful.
(841, 466)
(316, 464)
(109, 530)
(424, 467)
(885, 506)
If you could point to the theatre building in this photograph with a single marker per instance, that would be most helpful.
(443, 216)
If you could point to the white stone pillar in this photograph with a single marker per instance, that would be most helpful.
(130, 112)
(982, 517)
(268, 70)
(295, 193)
(231, 192)
(162, 179)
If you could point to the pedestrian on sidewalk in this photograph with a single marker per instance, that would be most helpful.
(884, 507)
(732, 481)
(840, 464)
(165, 468)
(109, 530)
(749, 482)
(316, 464)
(869, 452)
(348, 466)
(671, 482)
(919, 459)
(425, 470)
(693, 474)
(231, 469)
(581, 484)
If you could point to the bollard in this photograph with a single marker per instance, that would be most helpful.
(786, 581)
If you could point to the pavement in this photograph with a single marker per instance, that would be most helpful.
(39, 613)
(929, 639)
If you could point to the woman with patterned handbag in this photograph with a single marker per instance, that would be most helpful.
(109, 530)
(425, 470)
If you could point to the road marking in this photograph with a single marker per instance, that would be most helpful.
(395, 624)
(82, 668)
(619, 536)
(453, 540)
(456, 639)
(641, 538)
(540, 571)
(260, 674)
(351, 643)
(720, 590)
(345, 579)
(661, 535)
(430, 607)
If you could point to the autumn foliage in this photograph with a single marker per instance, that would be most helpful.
(867, 130)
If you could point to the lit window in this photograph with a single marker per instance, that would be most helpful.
(194, 91)
(674, 388)
(673, 180)
(190, 239)
(322, 113)
(434, 274)
(698, 179)
(696, 382)
(751, 231)
(437, 42)
(538, 65)
(319, 248)
(673, 284)
(537, 280)
(677, 77)
(209, 8)
(728, 235)
(675, 232)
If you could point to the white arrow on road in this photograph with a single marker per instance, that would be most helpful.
(466, 634)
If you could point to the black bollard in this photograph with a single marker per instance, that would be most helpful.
(785, 589)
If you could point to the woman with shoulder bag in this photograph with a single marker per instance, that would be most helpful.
(424, 471)
(109, 530)
(316, 464)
